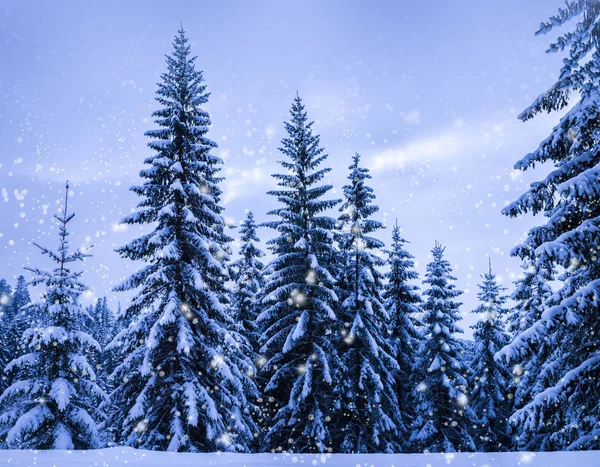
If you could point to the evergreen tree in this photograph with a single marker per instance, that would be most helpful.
(532, 290)
(185, 382)
(20, 316)
(121, 321)
(490, 382)
(298, 319)
(103, 328)
(16, 318)
(5, 295)
(248, 282)
(532, 295)
(370, 419)
(560, 412)
(21, 295)
(89, 320)
(403, 304)
(25, 317)
(104, 322)
(54, 405)
(6, 322)
(443, 412)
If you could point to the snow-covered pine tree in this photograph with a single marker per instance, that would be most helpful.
(89, 310)
(5, 295)
(184, 384)
(403, 304)
(103, 322)
(490, 380)
(369, 419)
(532, 290)
(17, 318)
(535, 369)
(532, 295)
(25, 317)
(444, 417)
(569, 197)
(248, 272)
(21, 295)
(103, 328)
(298, 318)
(6, 323)
(121, 321)
(53, 404)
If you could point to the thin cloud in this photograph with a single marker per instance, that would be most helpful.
(454, 142)
(240, 184)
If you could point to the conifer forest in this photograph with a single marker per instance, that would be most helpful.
(321, 228)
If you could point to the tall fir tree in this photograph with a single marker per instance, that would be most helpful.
(444, 416)
(491, 380)
(370, 419)
(403, 304)
(185, 383)
(560, 413)
(248, 272)
(298, 318)
(54, 404)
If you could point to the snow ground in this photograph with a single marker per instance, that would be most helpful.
(114, 457)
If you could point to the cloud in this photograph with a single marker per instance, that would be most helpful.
(456, 141)
(243, 182)
(438, 146)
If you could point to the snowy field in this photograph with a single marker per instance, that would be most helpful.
(131, 457)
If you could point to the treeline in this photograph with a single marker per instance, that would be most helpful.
(371, 367)
(319, 350)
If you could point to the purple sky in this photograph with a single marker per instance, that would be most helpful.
(427, 93)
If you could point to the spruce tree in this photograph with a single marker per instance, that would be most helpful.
(5, 295)
(490, 381)
(121, 321)
(298, 318)
(20, 316)
(370, 418)
(534, 370)
(103, 328)
(185, 383)
(533, 293)
(103, 322)
(16, 318)
(53, 404)
(403, 304)
(560, 411)
(25, 317)
(248, 272)
(532, 289)
(444, 416)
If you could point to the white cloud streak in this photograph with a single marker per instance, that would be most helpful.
(457, 141)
